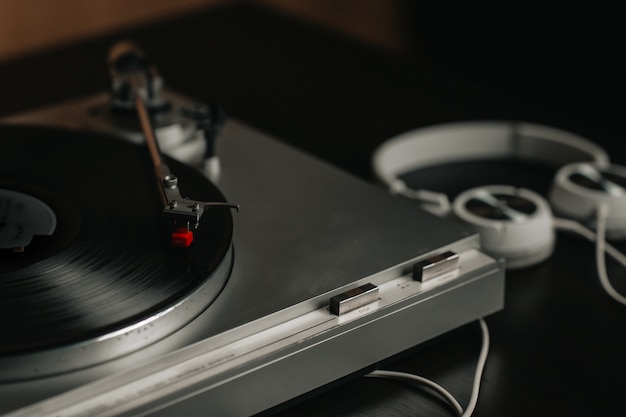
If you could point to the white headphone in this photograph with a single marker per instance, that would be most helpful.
(513, 223)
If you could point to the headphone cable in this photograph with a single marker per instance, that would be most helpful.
(478, 373)
(602, 247)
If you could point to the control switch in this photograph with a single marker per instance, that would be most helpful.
(435, 266)
(353, 299)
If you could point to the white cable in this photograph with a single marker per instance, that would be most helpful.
(480, 366)
(601, 244)
(422, 381)
(602, 247)
(575, 227)
(478, 373)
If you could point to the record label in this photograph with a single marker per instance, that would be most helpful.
(21, 218)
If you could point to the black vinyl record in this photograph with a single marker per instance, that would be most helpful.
(109, 264)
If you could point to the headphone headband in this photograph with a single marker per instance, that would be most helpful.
(477, 140)
(455, 142)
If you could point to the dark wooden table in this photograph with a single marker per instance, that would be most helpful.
(558, 347)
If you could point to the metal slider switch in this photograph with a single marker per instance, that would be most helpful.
(353, 299)
(435, 266)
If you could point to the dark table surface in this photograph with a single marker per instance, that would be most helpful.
(558, 346)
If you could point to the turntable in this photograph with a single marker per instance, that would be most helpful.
(112, 307)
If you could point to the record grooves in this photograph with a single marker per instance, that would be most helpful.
(107, 281)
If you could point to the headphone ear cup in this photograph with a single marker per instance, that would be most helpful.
(578, 189)
(513, 223)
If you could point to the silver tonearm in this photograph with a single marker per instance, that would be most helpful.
(182, 212)
(137, 84)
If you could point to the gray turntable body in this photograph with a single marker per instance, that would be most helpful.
(306, 232)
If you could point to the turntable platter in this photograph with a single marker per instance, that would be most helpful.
(106, 281)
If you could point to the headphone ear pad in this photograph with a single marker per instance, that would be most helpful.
(513, 223)
(578, 189)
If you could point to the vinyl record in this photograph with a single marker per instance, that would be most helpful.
(106, 281)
